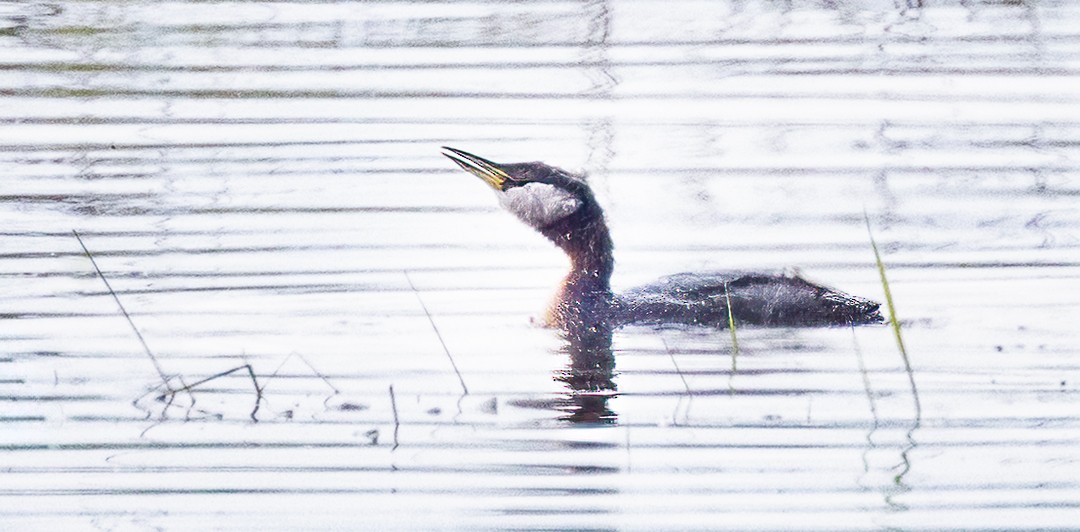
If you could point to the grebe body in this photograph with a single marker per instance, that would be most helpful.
(562, 207)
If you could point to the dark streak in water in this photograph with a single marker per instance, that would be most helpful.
(524, 96)
(558, 492)
(780, 67)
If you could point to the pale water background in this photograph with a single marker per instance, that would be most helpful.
(261, 184)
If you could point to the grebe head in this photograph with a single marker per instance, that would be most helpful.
(538, 194)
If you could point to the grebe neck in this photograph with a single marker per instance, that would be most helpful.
(585, 295)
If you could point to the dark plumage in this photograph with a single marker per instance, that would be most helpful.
(756, 299)
(562, 208)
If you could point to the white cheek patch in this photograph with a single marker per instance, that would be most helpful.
(539, 204)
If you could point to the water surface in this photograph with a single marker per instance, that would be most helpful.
(261, 186)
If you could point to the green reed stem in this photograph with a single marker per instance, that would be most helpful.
(731, 327)
(893, 322)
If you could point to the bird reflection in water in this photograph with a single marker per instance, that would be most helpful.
(590, 374)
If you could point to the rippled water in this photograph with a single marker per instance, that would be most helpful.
(261, 186)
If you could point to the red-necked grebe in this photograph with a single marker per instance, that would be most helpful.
(561, 207)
